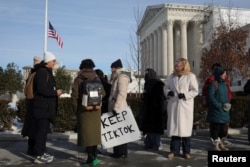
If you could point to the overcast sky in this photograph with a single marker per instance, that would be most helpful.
(96, 29)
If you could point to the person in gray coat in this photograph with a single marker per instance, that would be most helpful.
(120, 80)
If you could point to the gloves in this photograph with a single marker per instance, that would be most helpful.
(114, 113)
(226, 106)
(171, 93)
(181, 96)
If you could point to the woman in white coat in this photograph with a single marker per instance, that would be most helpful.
(181, 88)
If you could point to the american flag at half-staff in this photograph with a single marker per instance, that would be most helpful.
(53, 34)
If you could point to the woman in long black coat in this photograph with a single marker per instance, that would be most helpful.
(153, 110)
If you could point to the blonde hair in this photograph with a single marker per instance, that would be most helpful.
(186, 67)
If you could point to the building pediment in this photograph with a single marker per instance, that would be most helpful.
(246, 27)
(174, 10)
(149, 14)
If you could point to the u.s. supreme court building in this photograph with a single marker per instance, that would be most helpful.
(170, 31)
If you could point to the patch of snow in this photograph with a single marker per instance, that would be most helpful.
(16, 127)
(12, 105)
(65, 95)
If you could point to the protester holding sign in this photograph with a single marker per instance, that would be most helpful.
(119, 129)
(152, 110)
(88, 121)
(120, 80)
(181, 88)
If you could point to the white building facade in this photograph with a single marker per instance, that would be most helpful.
(170, 31)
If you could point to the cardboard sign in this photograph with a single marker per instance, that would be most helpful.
(119, 129)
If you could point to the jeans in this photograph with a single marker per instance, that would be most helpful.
(176, 143)
(152, 140)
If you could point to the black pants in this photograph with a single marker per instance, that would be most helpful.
(217, 130)
(248, 120)
(42, 128)
(121, 150)
(92, 153)
(31, 146)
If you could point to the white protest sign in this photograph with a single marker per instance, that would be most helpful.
(119, 129)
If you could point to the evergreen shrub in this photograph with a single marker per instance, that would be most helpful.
(66, 117)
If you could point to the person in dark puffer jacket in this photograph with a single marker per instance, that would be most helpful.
(218, 115)
(44, 105)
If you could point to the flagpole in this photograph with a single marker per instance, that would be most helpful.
(61, 64)
(45, 26)
(60, 54)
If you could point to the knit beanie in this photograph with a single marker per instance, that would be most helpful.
(87, 63)
(116, 64)
(48, 56)
(37, 60)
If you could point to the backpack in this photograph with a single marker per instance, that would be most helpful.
(28, 89)
(205, 91)
(92, 94)
(29, 86)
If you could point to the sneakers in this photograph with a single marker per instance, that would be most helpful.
(49, 156)
(226, 142)
(44, 159)
(95, 162)
(91, 162)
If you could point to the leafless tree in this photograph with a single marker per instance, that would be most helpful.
(134, 55)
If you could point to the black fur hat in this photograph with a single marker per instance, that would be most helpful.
(117, 64)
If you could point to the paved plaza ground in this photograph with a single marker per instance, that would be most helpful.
(67, 154)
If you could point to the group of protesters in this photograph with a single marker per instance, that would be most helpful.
(173, 97)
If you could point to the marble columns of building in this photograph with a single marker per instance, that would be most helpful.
(164, 63)
(170, 48)
(159, 53)
(158, 48)
(155, 55)
(151, 52)
(184, 39)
